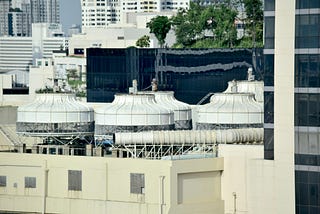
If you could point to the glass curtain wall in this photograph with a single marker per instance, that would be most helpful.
(190, 73)
(307, 106)
(269, 21)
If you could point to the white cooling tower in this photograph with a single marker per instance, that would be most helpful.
(55, 114)
(133, 112)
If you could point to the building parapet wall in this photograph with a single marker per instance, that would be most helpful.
(37, 183)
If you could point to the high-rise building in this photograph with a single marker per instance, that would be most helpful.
(73, 30)
(45, 11)
(18, 53)
(292, 96)
(4, 10)
(18, 23)
(19, 16)
(99, 13)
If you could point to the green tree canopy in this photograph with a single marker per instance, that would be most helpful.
(160, 26)
(254, 21)
(144, 41)
(224, 31)
(209, 26)
(187, 25)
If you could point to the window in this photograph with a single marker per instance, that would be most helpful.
(30, 182)
(269, 5)
(269, 107)
(269, 144)
(303, 4)
(269, 32)
(307, 72)
(75, 180)
(307, 109)
(136, 183)
(307, 34)
(78, 51)
(3, 181)
(268, 69)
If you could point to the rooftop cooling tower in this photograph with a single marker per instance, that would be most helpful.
(133, 113)
(182, 111)
(55, 115)
(230, 110)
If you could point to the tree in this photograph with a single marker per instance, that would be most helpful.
(254, 20)
(144, 41)
(225, 32)
(187, 25)
(74, 80)
(160, 26)
(205, 27)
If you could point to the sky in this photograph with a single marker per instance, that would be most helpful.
(70, 13)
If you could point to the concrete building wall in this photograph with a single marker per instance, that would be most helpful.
(18, 53)
(6, 82)
(249, 181)
(108, 38)
(14, 100)
(44, 41)
(15, 53)
(8, 114)
(237, 181)
(181, 186)
(284, 105)
(40, 76)
(69, 63)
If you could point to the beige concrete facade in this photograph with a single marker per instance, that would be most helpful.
(284, 106)
(6, 81)
(248, 181)
(40, 76)
(179, 186)
(240, 176)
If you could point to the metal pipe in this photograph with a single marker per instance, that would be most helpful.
(45, 186)
(161, 194)
(234, 202)
(228, 136)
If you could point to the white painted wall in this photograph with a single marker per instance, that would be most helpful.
(40, 76)
(237, 177)
(108, 38)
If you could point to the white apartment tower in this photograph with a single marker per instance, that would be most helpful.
(19, 23)
(99, 13)
(4, 10)
(45, 11)
(17, 16)
(18, 53)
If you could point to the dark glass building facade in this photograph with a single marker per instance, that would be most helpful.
(190, 73)
(307, 100)
(269, 20)
(307, 106)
